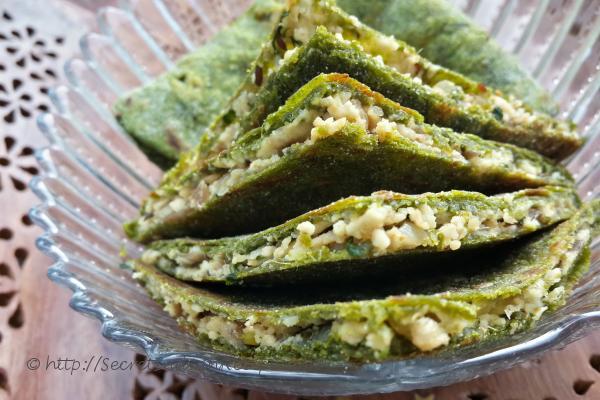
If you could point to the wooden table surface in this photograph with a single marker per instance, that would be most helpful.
(35, 319)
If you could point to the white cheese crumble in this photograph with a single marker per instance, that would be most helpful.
(427, 334)
(323, 128)
(306, 227)
(351, 332)
(380, 339)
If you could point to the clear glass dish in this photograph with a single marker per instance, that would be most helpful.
(93, 177)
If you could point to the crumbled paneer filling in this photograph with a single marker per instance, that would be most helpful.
(512, 111)
(341, 109)
(303, 21)
(377, 230)
(324, 118)
(427, 328)
(228, 134)
(287, 135)
(242, 104)
(427, 334)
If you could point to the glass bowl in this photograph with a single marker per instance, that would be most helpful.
(93, 177)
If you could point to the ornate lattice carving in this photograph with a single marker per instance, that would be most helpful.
(29, 61)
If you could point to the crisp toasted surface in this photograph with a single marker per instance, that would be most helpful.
(325, 53)
(169, 115)
(464, 293)
(482, 117)
(447, 37)
(357, 161)
(243, 260)
(279, 72)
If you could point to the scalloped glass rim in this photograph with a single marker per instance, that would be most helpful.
(93, 177)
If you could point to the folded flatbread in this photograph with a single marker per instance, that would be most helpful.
(472, 300)
(168, 115)
(315, 37)
(333, 138)
(364, 237)
(447, 37)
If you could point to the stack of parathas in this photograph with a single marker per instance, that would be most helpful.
(353, 200)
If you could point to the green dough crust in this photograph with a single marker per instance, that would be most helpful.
(402, 316)
(351, 161)
(286, 63)
(168, 116)
(448, 37)
(355, 257)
